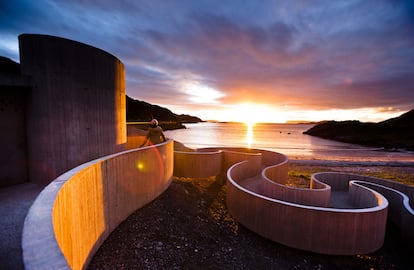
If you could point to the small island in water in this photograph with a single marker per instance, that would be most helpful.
(392, 134)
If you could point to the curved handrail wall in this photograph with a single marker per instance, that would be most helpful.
(206, 162)
(194, 164)
(254, 197)
(231, 157)
(277, 172)
(274, 186)
(400, 210)
(317, 229)
(75, 213)
(362, 197)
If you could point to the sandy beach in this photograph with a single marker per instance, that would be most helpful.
(189, 227)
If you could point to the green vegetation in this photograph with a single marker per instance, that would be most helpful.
(299, 175)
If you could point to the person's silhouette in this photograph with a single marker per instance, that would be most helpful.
(155, 134)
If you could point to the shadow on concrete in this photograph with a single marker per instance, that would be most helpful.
(15, 202)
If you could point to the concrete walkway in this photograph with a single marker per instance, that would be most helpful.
(15, 201)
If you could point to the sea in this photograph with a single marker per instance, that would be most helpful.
(283, 138)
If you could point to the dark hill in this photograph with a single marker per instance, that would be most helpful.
(392, 133)
(141, 111)
(9, 66)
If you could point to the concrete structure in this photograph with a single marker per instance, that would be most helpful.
(339, 214)
(64, 107)
(13, 155)
(73, 115)
(316, 229)
(116, 185)
(71, 99)
(76, 108)
(399, 196)
(75, 213)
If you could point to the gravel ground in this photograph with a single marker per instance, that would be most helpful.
(189, 227)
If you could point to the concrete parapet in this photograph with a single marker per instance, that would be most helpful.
(230, 157)
(316, 229)
(274, 186)
(400, 210)
(197, 164)
(351, 222)
(75, 213)
(315, 197)
(207, 162)
(362, 197)
(277, 173)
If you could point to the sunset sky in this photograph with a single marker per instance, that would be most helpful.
(268, 61)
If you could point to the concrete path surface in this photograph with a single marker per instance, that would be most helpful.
(15, 202)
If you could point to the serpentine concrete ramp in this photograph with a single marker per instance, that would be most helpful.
(341, 214)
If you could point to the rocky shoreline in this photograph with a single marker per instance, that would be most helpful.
(395, 133)
(189, 227)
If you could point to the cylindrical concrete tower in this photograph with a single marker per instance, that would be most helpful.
(76, 108)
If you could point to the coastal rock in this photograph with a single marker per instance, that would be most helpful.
(141, 111)
(394, 133)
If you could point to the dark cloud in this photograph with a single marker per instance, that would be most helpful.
(319, 54)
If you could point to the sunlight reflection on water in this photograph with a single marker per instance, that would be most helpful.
(284, 138)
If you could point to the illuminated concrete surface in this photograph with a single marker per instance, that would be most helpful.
(76, 212)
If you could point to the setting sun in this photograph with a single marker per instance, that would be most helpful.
(251, 113)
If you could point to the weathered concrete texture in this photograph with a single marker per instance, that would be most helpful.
(301, 218)
(274, 186)
(317, 229)
(14, 204)
(135, 137)
(399, 196)
(75, 213)
(76, 109)
(212, 161)
(193, 164)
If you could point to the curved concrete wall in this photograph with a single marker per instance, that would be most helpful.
(318, 195)
(274, 186)
(316, 229)
(277, 173)
(206, 162)
(197, 164)
(339, 214)
(400, 211)
(75, 213)
(76, 109)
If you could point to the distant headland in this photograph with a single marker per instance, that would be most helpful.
(394, 133)
(141, 111)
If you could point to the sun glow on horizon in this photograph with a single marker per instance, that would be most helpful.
(251, 113)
